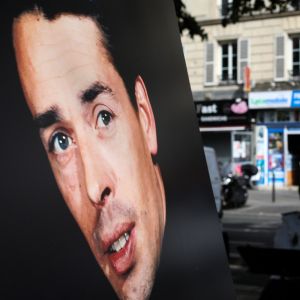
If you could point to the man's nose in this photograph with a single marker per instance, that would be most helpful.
(97, 174)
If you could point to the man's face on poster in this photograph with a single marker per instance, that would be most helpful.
(99, 146)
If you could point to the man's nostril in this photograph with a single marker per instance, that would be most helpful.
(105, 193)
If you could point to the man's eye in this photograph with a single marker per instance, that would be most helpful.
(59, 143)
(104, 118)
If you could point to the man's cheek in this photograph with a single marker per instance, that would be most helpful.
(70, 185)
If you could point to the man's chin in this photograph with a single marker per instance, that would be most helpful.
(136, 286)
(130, 272)
(137, 282)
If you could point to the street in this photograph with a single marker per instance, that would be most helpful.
(255, 224)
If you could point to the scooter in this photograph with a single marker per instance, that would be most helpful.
(234, 191)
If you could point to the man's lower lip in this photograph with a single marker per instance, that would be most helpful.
(122, 261)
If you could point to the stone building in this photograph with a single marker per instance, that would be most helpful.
(245, 83)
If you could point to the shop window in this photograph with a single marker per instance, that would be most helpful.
(229, 61)
(260, 117)
(241, 147)
(283, 116)
(270, 116)
(276, 116)
(276, 155)
(293, 116)
(296, 116)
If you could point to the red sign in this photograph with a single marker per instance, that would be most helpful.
(247, 80)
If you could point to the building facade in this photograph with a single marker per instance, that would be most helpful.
(245, 83)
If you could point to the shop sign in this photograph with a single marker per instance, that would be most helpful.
(275, 99)
(296, 99)
(222, 113)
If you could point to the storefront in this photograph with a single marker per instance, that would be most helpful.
(225, 126)
(277, 136)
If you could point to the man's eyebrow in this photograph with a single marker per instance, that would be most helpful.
(89, 95)
(47, 118)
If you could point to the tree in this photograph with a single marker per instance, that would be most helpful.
(239, 8)
(187, 22)
(232, 12)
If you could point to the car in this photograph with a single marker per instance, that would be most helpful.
(215, 178)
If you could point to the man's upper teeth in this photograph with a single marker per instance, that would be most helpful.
(120, 243)
(126, 236)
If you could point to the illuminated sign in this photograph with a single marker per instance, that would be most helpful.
(274, 99)
(296, 99)
(222, 113)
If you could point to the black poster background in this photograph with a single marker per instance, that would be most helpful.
(43, 254)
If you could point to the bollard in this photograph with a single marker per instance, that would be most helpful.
(273, 186)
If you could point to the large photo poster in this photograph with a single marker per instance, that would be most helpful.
(105, 190)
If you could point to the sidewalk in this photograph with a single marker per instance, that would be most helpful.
(260, 203)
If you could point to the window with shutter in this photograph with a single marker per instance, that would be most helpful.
(279, 58)
(209, 64)
(228, 62)
(243, 55)
(296, 57)
(224, 6)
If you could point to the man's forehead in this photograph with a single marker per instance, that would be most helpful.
(34, 27)
(63, 51)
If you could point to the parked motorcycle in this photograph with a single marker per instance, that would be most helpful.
(235, 188)
(234, 191)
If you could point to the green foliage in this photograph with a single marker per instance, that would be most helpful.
(233, 13)
(240, 8)
(187, 22)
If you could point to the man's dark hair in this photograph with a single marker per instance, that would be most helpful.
(95, 10)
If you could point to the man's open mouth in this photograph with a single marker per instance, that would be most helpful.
(120, 243)
(120, 251)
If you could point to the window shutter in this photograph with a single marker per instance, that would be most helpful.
(209, 63)
(279, 57)
(243, 58)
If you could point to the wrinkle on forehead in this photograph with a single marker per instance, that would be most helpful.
(32, 23)
(35, 35)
